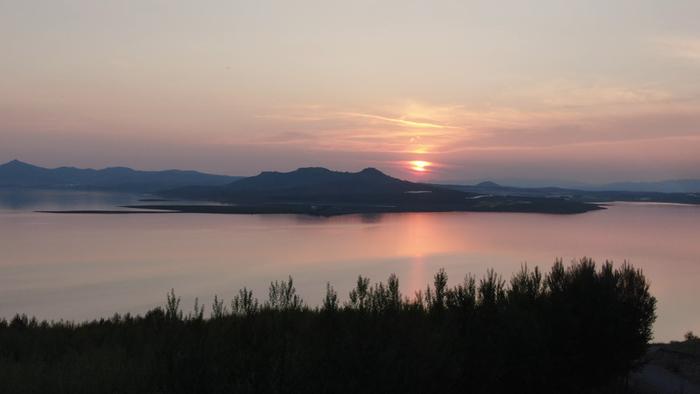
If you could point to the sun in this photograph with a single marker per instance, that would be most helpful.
(419, 165)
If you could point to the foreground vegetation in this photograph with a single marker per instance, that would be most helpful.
(576, 329)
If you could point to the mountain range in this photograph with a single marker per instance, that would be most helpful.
(19, 174)
(317, 190)
(322, 191)
(312, 182)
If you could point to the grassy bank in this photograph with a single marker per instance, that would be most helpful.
(577, 328)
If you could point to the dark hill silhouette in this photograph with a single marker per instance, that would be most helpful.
(488, 184)
(319, 180)
(322, 191)
(319, 184)
(19, 174)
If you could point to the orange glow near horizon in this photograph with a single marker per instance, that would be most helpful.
(420, 165)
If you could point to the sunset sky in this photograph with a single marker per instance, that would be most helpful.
(586, 91)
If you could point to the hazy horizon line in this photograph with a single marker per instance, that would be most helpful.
(513, 181)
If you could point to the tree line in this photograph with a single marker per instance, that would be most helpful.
(579, 328)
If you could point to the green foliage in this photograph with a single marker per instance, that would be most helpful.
(198, 312)
(436, 297)
(463, 296)
(218, 309)
(491, 291)
(393, 293)
(244, 303)
(330, 301)
(172, 306)
(577, 329)
(283, 297)
(526, 286)
(360, 294)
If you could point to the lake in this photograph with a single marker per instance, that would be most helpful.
(76, 267)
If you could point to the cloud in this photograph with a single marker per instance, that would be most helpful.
(568, 114)
(687, 48)
(528, 130)
(399, 128)
(290, 137)
(398, 121)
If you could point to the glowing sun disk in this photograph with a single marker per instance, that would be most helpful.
(420, 165)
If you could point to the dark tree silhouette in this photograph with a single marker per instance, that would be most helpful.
(577, 329)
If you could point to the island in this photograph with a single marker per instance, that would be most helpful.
(323, 192)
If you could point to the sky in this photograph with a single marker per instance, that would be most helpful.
(579, 91)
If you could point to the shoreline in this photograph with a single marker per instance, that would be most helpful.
(324, 209)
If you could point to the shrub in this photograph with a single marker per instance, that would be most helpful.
(576, 329)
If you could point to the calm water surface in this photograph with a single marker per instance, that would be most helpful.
(87, 266)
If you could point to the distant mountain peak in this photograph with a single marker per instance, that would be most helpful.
(16, 163)
(317, 184)
(16, 173)
(488, 184)
(372, 171)
(312, 170)
(324, 171)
